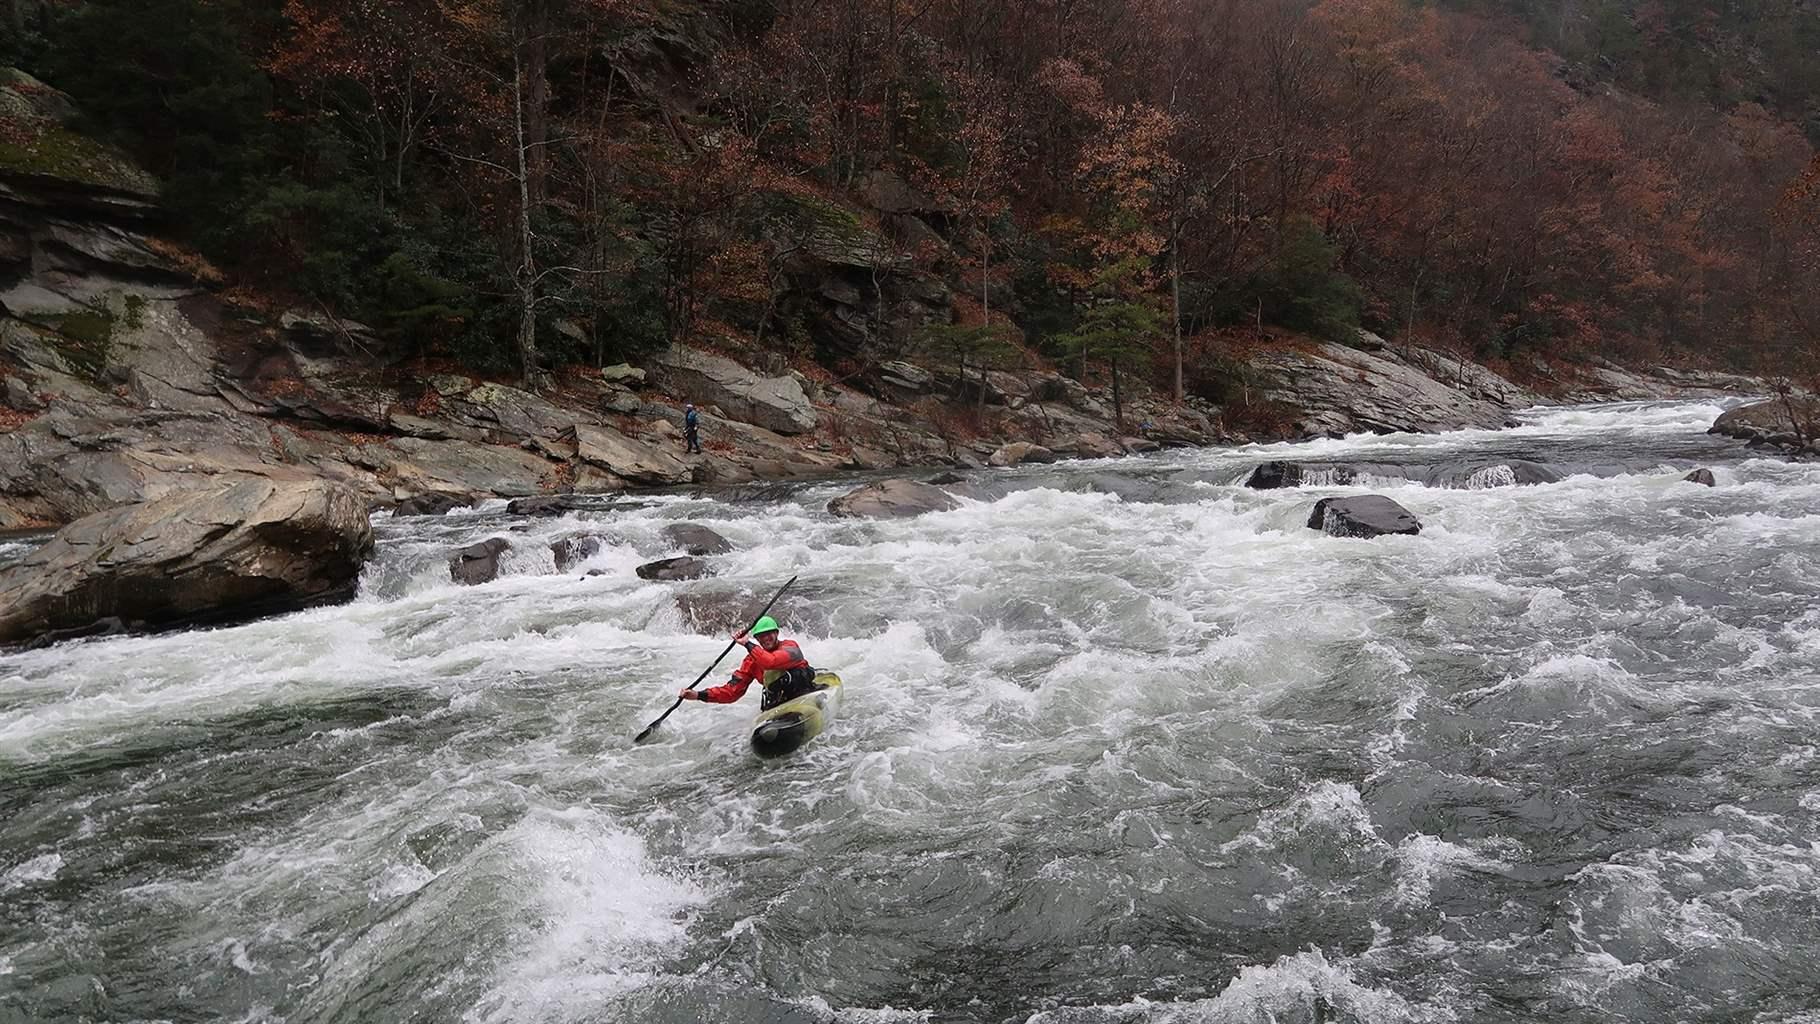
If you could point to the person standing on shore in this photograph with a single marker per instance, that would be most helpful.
(691, 429)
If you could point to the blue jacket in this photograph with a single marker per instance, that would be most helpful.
(689, 419)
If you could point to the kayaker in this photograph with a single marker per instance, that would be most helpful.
(776, 664)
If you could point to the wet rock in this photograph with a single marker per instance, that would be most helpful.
(674, 569)
(775, 403)
(570, 552)
(478, 563)
(1510, 473)
(220, 554)
(428, 505)
(1275, 475)
(1019, 452)
(546, 505)
(892, 499)
(696, 539)
(1364, 515)
(947, 478)
(1140, 445)
(1701, 476)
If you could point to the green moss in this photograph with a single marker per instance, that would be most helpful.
(56, 152)
(133, 317)
(830, 231)
(84, 338)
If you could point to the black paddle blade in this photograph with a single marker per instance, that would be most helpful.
(650, 730)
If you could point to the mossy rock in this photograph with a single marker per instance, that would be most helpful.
(831, 232)
(84, 338)
(47, 150)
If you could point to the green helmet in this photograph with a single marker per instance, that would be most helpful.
(766, 624)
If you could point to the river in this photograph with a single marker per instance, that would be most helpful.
(1123, 742)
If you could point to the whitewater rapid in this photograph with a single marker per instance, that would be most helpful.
(1123, 741)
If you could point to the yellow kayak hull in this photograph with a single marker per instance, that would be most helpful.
(785, 728)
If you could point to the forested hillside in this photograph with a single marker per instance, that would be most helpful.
(521, 185)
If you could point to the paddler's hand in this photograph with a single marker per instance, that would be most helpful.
(740, 639)
(690, 695)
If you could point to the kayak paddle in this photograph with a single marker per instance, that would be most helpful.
(766, 610)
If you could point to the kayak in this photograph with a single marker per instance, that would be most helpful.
(789, 725)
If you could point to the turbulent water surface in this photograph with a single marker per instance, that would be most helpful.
(1122, 742)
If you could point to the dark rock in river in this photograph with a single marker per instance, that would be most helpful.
(1274, 475)
(570, 552)
(545, 505)
(893, 499)
(478, 563)
(673, 569)
(428, 505)
(696, 540)
(1364, 515)
(1701, 476)
(222, 554)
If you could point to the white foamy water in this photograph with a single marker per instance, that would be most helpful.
(1122, 741)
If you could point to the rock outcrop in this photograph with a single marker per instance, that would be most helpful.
(1792, 424)
(220, 554)
(892, 499)
(1335, 390)
(777, 404)
(1364, 515)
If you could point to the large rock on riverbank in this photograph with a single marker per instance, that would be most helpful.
(1792, 423)
(224, 554)
(775, 403)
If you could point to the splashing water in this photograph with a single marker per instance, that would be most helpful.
(1122, 742)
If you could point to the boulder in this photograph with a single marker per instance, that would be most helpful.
(620, 401)
(906, 377)
(1097, 446)
(892, 499)
(623, 374)
(1364, 515)
(1139, 445)
(428, 505)
(1019, 452)
(1701, 476)
(19, 396)
(1274, 475)
(570, 552)
(221, 554)
(1771, 418)
(478, 563)
(696, 539)
(675, 569)
(775, 403)
(631, 460)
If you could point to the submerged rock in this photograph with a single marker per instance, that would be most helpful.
(478, 563)
(1701, 476)
(222, 554)
(697, 539)
(893, 499)
(1274, 475)
(545, 505)
(672, 569)
(1364, 515)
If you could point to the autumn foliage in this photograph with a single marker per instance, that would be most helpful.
(566, 180)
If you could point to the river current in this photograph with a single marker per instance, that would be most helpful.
(1123, 743)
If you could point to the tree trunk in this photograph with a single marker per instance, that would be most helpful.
(1175, 300)
(1118, 405)
(537, 100)
(527, 259)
